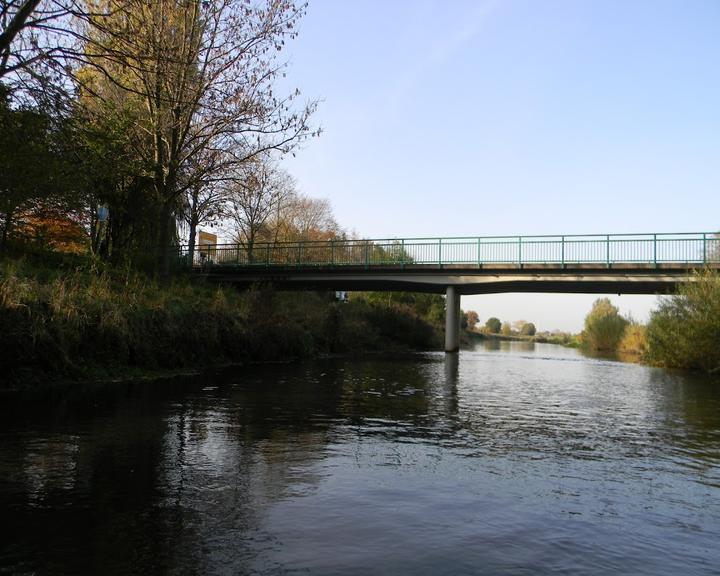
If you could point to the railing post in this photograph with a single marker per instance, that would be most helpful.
(297, 255)
(367, 261)
(479, 257)
(519, 251)
(402, 253)
(439, 252)
(562, 251)
(704, 248)
(655, 250)
(607, 251)
(267, 255)
(332, 252)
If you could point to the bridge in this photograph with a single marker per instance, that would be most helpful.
(592, 264)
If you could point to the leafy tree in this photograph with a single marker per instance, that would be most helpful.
(29, 166)
(528, 329)
(471, 319)
(685, 329)
(506, 329)
(493, 325)
(604, 326)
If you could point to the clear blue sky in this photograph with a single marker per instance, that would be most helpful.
(514, 117)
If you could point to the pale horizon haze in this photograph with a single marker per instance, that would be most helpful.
(513, 118)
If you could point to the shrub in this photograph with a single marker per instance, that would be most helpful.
(493, 325)
(528, 329)
(633, 340)
(684, 332)
(604, 327)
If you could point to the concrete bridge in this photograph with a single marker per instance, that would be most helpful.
(592, 264)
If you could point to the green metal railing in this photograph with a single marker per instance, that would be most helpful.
(520, 251)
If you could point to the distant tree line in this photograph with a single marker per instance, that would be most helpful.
(494, 325)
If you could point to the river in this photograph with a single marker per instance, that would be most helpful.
(513, 458)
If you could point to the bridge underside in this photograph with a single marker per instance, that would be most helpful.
(585, 279)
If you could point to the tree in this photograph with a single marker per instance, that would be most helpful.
(493, 325)
(301, 218)
(202, 76)
(604, 326)
(35, 32)
(258, 189)
(506, 329)
(528, 329)
(28, 166)
(685, 329)
(471, 319)
(206, 201)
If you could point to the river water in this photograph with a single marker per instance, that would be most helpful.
(511, 459)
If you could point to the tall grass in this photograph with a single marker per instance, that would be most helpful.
(78, 320)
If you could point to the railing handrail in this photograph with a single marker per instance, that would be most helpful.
(606, 250)
(458, 239)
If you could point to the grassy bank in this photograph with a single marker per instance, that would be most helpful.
(68, 319)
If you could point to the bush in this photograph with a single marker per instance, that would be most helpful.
(604, 327)
(684, 332)
(633, 340)
(493, 325)
(76, 322)
(528, 329)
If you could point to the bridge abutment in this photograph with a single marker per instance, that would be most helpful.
(452, 320)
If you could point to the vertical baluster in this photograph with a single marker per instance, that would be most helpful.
(519, 251)
(655, 250)
(607, 251)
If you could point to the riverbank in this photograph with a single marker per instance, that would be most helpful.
(65, 318)
(566, 340)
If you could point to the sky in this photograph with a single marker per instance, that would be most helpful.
(513, 117)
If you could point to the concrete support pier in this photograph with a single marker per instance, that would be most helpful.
(452, 320)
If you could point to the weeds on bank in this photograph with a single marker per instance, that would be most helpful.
(82, 319)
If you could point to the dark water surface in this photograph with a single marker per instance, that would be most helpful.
(524, 459)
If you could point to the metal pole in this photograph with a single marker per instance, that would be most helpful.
(562, 250)
(439, 252)
(479, 258)
(704, 248)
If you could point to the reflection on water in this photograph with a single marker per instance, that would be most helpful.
(513, 458)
